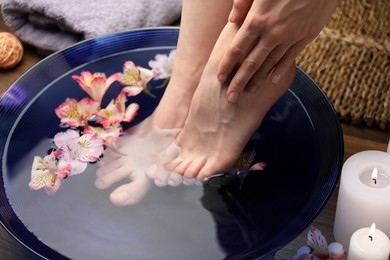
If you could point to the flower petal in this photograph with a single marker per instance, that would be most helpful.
(258, 166)
(89, 148)
(131, 112)
(68, 113)
(132, 90)
(52, 189)
(67, 141)
(43, 171)
(335, 250)
(304, 253)
(317, 241)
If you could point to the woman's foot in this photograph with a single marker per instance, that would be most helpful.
(139, 146)
(195, 44)
(217, 130)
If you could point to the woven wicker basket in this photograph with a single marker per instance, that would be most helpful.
(350, 60)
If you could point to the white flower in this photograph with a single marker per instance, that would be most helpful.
(162, 65)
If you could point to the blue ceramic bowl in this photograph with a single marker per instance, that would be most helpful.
(300, 140)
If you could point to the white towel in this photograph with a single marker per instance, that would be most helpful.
(51, 25)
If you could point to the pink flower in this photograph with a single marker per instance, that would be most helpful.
(304, 253)
(132, 90)
(162, 65)
(336, 251)
(44, 174)
(135, 78)
(258, 166)
(75, 113)
(116, 112)
(87, 148)
(108, 135)
(95, 84)
(317, 241)
(318, 248)
(64, 169)
(67, 141)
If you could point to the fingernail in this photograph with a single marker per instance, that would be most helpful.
(252, 88)
(233, 97)
(232, 16)
(276, 78)
(222, 77)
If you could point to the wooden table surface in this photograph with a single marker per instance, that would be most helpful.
(356, 138)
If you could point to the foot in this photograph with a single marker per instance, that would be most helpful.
(217, 130)
(136, 150)
(142, 143)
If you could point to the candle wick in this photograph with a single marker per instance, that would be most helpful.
(370, 238)
(374, 180)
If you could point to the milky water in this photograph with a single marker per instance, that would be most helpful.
(80, 222)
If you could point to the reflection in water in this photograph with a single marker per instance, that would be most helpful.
(237, 230)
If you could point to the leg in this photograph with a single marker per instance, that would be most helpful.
(202, 22)
(216, 130)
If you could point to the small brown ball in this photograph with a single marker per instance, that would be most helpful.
(11, 50)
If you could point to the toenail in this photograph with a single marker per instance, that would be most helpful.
(120, 196)
(159, 183)
(99, 184)
(188, 181)
(233, 97)
(198, 183)
(171, 182)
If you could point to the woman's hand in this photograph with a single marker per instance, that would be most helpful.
(272, 34)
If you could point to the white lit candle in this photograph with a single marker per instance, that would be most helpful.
(363, 197)
(369, 244)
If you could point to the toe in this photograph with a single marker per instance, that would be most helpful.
(151, 171)
(105, 181)
(169, 154)
(108, 168)
(189, 181)
(162, 177)
(181, 168)
(194, 168)
(131, 193)
(174, 163)
(175, 179)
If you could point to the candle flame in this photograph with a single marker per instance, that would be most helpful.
(371, 232)
(374, 175)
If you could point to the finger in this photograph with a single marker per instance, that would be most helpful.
(253, 62)
(239, 10)
(285, 63)
(245, 39)
(264, 72)
(274, 89)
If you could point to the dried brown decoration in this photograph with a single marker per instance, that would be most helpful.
(11, 50)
